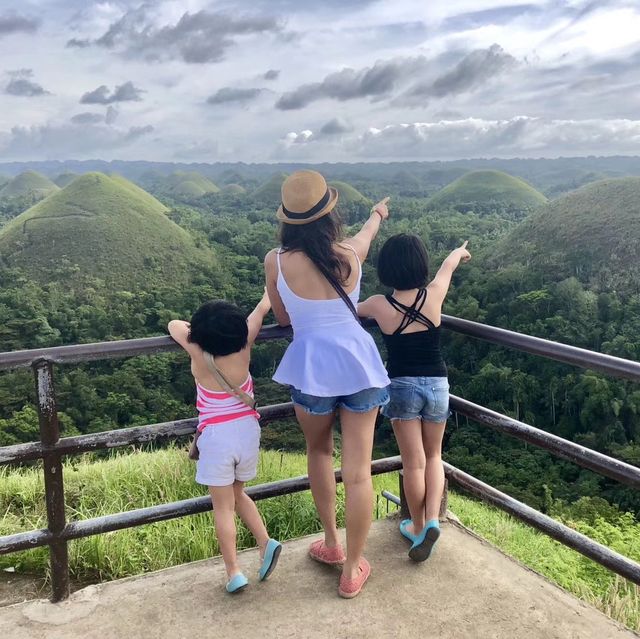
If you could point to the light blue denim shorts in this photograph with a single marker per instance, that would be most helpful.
(426, 398)
(360, 402)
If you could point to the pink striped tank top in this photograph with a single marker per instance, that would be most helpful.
(217, 407)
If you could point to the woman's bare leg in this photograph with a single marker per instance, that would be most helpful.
(318, 434)
(357, 447)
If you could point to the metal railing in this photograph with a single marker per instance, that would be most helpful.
(51, 448)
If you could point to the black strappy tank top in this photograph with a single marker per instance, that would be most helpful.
(414, 354)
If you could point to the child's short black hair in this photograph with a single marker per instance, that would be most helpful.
(403, 262)
(219, 328)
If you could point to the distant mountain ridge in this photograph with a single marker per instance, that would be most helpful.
(549, 176)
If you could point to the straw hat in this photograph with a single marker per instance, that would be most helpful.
(305, 198)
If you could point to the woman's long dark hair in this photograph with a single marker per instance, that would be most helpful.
(316, 240)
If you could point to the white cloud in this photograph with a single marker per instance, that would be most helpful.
(570, 68)
(77, 139)
(472, 137)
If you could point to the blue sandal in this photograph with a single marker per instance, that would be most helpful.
(424, 543)
(404, 532)
(237, 583)
(271, 556)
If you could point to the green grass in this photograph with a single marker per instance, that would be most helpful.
(134, 480)
(29, 183)
(479, 189)
(109, 228)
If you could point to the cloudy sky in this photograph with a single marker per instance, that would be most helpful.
(330, 80)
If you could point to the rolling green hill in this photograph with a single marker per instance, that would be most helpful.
(234, 189)
(107, 226)
(182, 184)
(65, 178)
(29, 183)
(482, 191)
(347, 194)
(4, 180)
(270, 193)
(592, 233)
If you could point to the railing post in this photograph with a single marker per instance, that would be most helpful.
(404, 507)
(53, 481)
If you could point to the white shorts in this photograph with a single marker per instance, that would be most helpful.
(228, 452)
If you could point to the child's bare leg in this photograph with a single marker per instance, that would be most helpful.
(432, 434)
(223, 499)
(408, 434)
(250, 515)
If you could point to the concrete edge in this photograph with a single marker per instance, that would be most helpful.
(455, 521)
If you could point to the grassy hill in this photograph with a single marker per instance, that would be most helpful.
(110, 228)
(592, 233)
(65, 178)
(183, 184)
(29, 183)
(270, 193)
(234, 189)
(482, 191)
(4, 180)
(347, 194)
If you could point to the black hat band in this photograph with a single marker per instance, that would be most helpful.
(312, 211)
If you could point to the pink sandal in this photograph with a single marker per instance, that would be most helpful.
(350, 588)
(331, 556)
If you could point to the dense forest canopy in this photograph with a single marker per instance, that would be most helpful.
(125, 261)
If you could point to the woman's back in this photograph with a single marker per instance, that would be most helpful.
(312, 303)
(305, 280)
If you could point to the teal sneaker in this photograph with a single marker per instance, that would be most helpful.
(237, 583)
(425, 541)
(404, 530)
(271, 556)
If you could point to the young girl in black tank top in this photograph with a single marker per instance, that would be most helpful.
(409, 319)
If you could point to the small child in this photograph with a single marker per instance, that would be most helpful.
(229, 432)
(409, 319)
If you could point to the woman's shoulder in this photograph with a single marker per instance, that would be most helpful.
(271, 257)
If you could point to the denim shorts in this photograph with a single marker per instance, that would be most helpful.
(426, 398)
(360, 402)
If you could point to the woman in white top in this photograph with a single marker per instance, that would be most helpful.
(332, 365)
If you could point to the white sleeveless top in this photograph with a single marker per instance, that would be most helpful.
(331, 354)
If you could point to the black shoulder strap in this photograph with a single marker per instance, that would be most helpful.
(411, 313)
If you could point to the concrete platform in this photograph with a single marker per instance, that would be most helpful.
(467, 589)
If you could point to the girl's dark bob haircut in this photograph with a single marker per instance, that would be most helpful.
(219, 328)
(403, 262)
